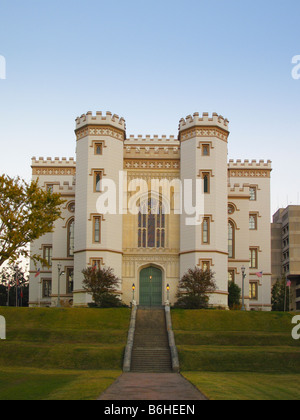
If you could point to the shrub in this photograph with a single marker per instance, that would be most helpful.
(234, 297)
(194, 288)
(102, 284)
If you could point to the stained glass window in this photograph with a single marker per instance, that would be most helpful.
(151, 224)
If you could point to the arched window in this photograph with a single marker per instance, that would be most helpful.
(71, 237)
(151, 225)
(98, 179)
(231, 238)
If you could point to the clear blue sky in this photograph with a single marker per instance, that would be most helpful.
(152, 62)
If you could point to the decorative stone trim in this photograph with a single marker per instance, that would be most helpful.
(41, 170)
(249, 173)
(100, 131)
(203, 132)
(152, 164)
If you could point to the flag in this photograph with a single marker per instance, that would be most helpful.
(38, 273)
(260, 274)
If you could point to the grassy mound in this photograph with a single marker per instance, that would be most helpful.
(64, 338)
(218, 347)
(80, 351)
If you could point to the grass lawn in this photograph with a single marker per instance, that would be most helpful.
(238, 355)
(61, 353)
(246, 385)
(41, 384)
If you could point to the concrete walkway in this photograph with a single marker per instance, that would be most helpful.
(151, 386)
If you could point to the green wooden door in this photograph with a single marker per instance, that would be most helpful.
(151, 287)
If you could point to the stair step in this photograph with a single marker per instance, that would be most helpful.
(151, 351)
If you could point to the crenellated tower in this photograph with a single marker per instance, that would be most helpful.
(98, 237)
(204, 149)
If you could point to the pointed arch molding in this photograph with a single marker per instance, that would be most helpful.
(230, 220)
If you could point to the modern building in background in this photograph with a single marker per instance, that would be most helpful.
(286, 251)
(152, 248)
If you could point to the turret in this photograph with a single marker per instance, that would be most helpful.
(204, 157)
(98, 237)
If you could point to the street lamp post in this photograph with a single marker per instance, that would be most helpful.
(150, 278)
(133, 290)
(243, 287)
(60, 273)
(168, 293)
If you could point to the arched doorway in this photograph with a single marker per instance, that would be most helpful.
(151, 287)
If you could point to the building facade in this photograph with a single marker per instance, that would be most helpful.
(286, 251)
(178, 204)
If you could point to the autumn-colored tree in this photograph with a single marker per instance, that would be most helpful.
(26, 213)
(194, 288)
(102, 285)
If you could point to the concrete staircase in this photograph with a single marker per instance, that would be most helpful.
(151, 351)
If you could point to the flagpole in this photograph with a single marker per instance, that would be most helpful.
(8, 288)
(262, 291)
(285, 286)
(16, 290)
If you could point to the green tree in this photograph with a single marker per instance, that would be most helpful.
(280, 292)
(102, 284)
(194, 289)
(234, 297)
(26, 213)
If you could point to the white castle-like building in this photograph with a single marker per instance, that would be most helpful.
(153, 249)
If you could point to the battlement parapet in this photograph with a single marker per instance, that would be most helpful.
(100, 119)
(53, 162)
(238, 188)
(215, 121)
(64, 187)
(53, 167)
(247, 164)
(138, 140)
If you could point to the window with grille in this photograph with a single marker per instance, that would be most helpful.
(231, 237)
(71, 238)
(48, 255)
(253, 258)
